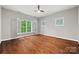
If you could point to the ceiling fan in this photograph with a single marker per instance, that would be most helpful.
(39, 10)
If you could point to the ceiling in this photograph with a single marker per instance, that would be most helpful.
(29, 9)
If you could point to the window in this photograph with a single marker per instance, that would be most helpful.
(25, 26)
(59, 21)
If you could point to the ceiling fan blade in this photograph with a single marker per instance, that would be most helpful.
(41, 10)
(38, 7)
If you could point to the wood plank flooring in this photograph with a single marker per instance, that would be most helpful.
(39, 44)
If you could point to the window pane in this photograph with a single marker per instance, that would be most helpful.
(28, 26)
(23, 26)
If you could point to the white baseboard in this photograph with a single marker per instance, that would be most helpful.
(62, 37)
(40, 33)
(15, 37)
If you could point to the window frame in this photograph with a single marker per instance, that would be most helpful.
(19, 26)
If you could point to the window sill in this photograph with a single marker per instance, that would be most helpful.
(24, 33)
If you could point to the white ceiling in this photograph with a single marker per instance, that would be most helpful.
(29, 9)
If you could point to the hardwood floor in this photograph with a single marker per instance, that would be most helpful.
(39, 44)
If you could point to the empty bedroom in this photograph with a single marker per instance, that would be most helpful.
(39, 29)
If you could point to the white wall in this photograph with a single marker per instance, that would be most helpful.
(70, 28)
(9, 23)
(0, 23)
(78, 22)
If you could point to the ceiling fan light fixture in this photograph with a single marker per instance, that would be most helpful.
(38, 11)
